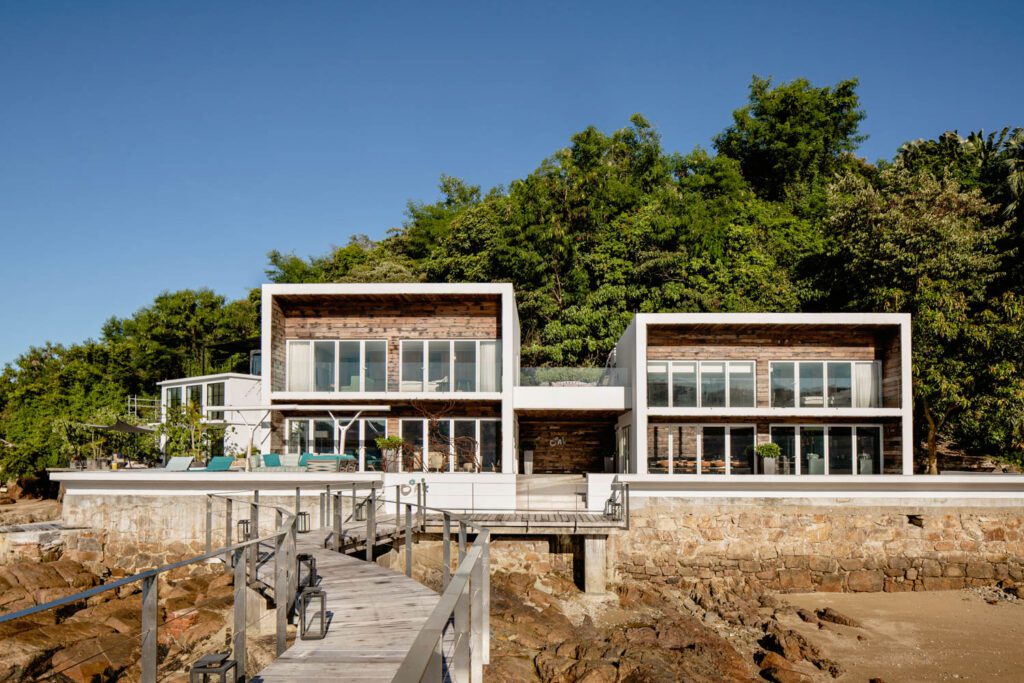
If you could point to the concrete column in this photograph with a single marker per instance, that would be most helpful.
(595, 564)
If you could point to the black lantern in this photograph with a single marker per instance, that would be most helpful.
(319, 616)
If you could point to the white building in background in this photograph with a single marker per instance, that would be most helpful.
(214, 396)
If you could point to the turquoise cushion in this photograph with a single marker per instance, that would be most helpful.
(321, 458)
(220, 463)
(304, 459)
(271, 460)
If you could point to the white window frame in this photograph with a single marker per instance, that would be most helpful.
(424, 369)
(698, 372)
(477, 421)
(828, 461)
(700, 427)
(876, 364)
(337, 364)
(337, 421)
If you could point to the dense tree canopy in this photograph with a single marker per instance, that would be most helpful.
(781, 217)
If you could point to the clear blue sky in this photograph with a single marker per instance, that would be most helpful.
(149, 146)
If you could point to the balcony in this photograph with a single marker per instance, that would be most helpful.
(572, 389)
(574, 377)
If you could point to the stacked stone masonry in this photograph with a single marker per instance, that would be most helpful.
(843, 547)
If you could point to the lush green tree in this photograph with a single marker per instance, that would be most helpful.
(921, 245)
(792, 138)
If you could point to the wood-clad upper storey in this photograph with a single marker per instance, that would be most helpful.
(767, 343)
(389, 317)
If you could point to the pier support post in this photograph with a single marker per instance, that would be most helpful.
(595, 564)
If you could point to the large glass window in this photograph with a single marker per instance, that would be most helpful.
(867, 377)
(376, 368)
(869, 450)
(785, 439)
(812, 385)
(298, 436)
(323, 436)
(712, 453)
(300, 359)
(412, 434)
(840, 450)
(741, 385)
(412, 366)
(215, 398)
(465, 445)
(812, 450)
(659, 452)
(349, 365)
(372, 456)
(490, 446)
(684, 385)
(490, 366)
(741, 450)
(173, 397)
(439, 367)
(783, 385)
(712, 385)
(657, 385)
(840, 385)
(323, 365)
(465, 365)
(194, 393)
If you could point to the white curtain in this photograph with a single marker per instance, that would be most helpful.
(299, 357)
(866, 383)
(490, 366)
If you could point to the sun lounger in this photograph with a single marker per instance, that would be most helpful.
(219, 463)
(179, 463)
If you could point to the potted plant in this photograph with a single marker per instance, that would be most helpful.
(815, 463)
(769, 454)
(390, 448)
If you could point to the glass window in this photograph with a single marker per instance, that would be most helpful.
(256, 363)
(376, 366)
(783, 385)
(869, 450)
(657, 385)
(412, 434)
(812, 385)
(440, 436)
(323, 366)
(712, 452)
(812, 449)
(785, 439)
(323, 436)
(349, 438)
(840, 450)
(869, 390)
(216, 443)
(348, 365)
(840, 385)
(465, 366)
(372, 430)
(412, 366)
(741, 385)
(741, 450)
(684, 385)
(173, 395)
(712, 385)
(194, 392)
(658, 453)
(438, 366)
(298, 436)
(490, 445)
(490, 366)
(299, 362)
(465, 445)
(215, 398)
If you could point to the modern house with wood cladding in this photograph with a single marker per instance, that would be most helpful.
(682, 394)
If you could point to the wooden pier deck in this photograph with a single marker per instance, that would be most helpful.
(374, 615)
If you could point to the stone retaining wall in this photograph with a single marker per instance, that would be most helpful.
(823, 547)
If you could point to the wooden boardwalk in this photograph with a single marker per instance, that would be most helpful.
(374, 615)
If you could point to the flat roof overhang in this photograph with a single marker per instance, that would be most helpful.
(571, 398)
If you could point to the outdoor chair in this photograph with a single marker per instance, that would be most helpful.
(323, 463)
(219, 463)
(271, 460)
(179, 463)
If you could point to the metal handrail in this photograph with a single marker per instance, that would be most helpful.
(235, 552)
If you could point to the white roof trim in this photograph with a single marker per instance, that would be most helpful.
(306, 408)
(209, 378)
(773, 318)
(390, 288)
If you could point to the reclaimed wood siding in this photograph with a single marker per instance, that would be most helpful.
(579, 446)
(672, 343)
(450, 318)
(892, 371)
(277, 347)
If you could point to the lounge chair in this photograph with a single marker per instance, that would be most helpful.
(270, 460)
(179, 463)
(323, 463)
(218, 463)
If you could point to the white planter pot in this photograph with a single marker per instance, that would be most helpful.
(769, 465)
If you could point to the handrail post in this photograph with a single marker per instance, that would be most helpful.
(291, 567)
(228, 523)
(398, 504)
(423, 509)
(338, 522)
(462, 541)
(446, 574)
(408, 540)
(371, 524)
(254, 531)
(460, 659)
(298, 502)
(625, 507)
(323, 511)
(149, 626)
(324, 521)
(209, 523)
(281, 585)
(485, 589)
(239, 628)
(476, 622)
